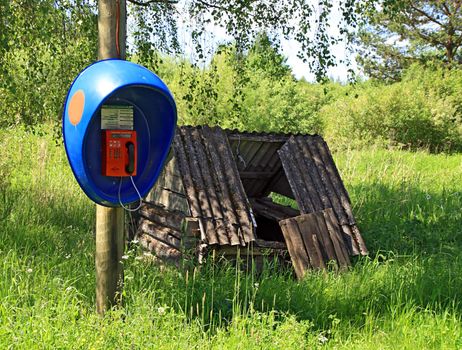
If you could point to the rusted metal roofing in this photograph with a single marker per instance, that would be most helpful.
(316, 184)
(212, 185)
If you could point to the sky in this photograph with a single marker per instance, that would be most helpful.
(217, 35)
(290, 48)
(301, 70)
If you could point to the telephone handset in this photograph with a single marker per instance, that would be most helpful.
(119, 156)
(130, 167)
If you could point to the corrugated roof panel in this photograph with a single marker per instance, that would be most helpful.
(221, 188)
(221, 170)
(238, 195)
(212, 185)
(257, 160)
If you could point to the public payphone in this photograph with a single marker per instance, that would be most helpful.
(119, 146)
(119, 119)
(118, 153)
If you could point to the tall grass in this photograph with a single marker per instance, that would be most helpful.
(407, 294)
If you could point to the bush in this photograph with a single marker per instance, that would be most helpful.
(422, 111)
(248, 98)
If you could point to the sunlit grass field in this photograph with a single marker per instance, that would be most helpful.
(406, 295)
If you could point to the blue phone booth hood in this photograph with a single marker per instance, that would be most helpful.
(120, 83)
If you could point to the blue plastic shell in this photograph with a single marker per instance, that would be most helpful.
(118, 82)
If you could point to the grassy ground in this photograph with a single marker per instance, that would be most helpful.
(407, 295)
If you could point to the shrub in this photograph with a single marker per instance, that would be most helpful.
(422, 111)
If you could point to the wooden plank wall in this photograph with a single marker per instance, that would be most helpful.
(315, 241)
(265, 207)
(160, 232)
(168, 191)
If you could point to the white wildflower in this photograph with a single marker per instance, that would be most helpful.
(161, 310)
(29, 270)
(322, 339)
(125, 257)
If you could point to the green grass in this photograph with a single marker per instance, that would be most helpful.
(406, 295)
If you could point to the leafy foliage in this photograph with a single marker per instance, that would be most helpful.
(155, 31)
(422, 111)
(261, 94)
(397, 34)
(249, 87)
(44, 44)
(306, 22)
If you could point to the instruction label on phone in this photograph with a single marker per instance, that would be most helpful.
(117, 118)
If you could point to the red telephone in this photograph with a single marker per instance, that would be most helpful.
(119, 153)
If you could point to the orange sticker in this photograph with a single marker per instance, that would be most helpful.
(75, 109)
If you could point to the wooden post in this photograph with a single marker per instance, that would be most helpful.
(109, 250)
(110, 221)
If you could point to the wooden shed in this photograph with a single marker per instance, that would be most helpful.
(214, 193)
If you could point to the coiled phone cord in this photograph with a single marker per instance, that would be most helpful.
(137, 192)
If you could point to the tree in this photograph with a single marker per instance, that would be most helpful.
(259, 94)
(308, 22)
(264, 55)
(396, 34)
(45, 43)
(43, 46)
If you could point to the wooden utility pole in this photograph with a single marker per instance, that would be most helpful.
(110, 227)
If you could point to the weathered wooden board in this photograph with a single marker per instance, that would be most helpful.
(296, 246)
(168, 199)
(161, 233)
(340, 247)
(314, 241)
(267, 208)
(160, 215)
(307, 229)
(160, 249)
